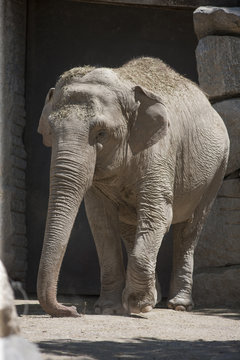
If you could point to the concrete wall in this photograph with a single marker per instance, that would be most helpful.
(12, 122)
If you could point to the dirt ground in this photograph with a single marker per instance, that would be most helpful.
(212, 334)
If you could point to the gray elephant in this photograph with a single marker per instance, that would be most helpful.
(145, 149)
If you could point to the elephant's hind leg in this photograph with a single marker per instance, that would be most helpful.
(185, 238)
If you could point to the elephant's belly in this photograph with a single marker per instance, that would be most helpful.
(183, 208)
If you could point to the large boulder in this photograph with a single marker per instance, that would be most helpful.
(217, 256)
(210, 20)
(12, 345)
(229, 110)
(218, 64)
(219, 244)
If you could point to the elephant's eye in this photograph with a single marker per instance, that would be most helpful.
(101, 135)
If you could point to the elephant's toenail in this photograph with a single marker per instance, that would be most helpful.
(180, 308)
(146, 309)
(133, 310)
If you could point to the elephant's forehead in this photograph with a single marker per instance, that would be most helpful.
(83, 93)
(72, 113)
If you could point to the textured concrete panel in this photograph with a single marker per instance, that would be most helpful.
(210, 20)
(219, 244)
(229, 110)
(215, 287)
(218, 64)
(230, 189)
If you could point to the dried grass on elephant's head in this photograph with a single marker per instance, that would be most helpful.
(77, 72)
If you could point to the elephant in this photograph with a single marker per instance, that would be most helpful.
(145, 149)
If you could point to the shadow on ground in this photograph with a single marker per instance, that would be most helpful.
(142, 348)
(227, 313)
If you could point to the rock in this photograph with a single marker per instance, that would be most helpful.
(12, 346)
(16, 348)
(229, 110)
(210, 20)
(8, 315)
(219, 244)
(218, 64)
(217, 287)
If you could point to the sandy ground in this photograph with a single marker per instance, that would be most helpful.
(212, 334)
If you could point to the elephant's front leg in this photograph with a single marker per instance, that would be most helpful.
(140, 293)
(103, 218)
(128, 235)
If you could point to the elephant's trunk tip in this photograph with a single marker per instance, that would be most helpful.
(58, 310)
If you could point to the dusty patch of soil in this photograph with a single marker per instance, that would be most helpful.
(212, 334)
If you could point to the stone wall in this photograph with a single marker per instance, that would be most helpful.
(217, 258)
(12, 122)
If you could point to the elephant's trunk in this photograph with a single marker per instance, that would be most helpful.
(71, 175)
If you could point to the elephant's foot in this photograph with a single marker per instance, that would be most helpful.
(109, 305)
(181, 303)
(139, 302)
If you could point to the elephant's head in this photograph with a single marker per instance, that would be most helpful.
(91, 121)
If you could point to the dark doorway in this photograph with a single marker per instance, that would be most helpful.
(64, 34)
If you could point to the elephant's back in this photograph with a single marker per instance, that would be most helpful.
(154, 75)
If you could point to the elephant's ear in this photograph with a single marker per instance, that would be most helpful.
(43, 126)
(150, 123)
